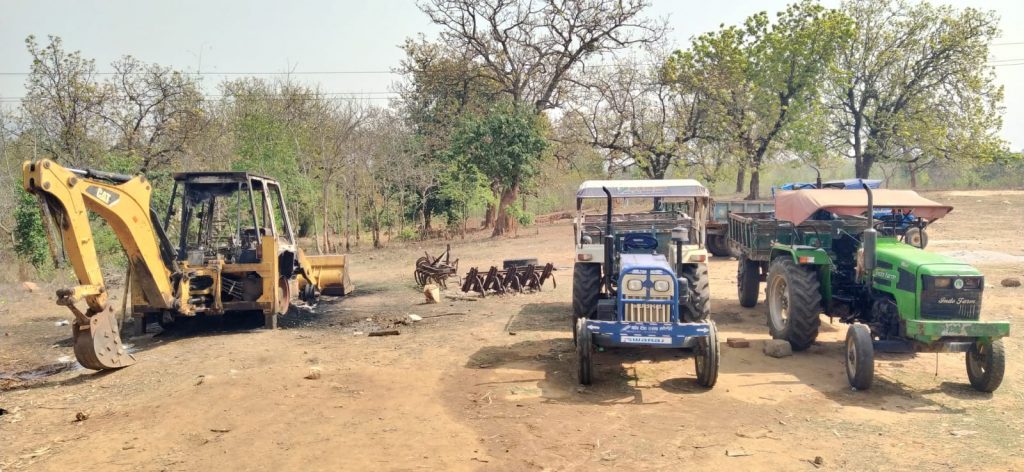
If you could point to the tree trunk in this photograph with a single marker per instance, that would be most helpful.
(862, 166)
(503, 221)
(491, 212)
(741, 177)
(912, 172)
(755, 184)
(327, 224)
(348, 221)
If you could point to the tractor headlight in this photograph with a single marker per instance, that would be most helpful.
(635, 285)
(942, 282)
(661, 286)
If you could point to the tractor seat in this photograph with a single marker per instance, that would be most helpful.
(639, 242)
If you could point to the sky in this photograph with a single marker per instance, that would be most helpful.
(218, 38)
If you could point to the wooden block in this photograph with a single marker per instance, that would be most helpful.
(737, 342)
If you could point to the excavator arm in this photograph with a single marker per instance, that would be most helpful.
(66, 196)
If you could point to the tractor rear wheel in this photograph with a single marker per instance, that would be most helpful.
(586, 291)
(860, 356)
(748, 281)
(794, 303)
(584, 352)
(986, 364)
(707, 358)
(698, 304)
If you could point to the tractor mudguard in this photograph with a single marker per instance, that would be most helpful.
(809, 256)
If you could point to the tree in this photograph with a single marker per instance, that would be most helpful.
(441, 87)
(507, 145)
(762, 77)
(637, 118)
(155, 112)
(915, 84)
(534, 51)
(63, 103)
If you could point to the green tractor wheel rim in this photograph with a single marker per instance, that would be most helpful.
(778, 306)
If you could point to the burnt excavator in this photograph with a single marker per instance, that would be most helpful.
(235, 251)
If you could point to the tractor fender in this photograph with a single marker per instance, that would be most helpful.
(811, 257)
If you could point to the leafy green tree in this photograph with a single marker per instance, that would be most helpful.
(914, 85)
(63, 102)
(507, 145)
(763, 77)
(29, 234)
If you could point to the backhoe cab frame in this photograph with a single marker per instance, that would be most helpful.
(256, 266)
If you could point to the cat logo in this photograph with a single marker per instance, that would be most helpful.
(106, 196)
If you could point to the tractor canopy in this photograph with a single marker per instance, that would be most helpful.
(797, 206)
(677, 188)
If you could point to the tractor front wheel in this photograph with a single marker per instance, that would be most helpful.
(748, 281)
(584, 352)
(794, 303)
(860, 356)
(707, 358)
(986, 364)
(586, 291)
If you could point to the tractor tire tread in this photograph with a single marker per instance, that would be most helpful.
(804, 304)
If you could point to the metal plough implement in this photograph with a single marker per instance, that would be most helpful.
(515, 279)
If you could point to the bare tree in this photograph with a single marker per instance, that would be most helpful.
(638, 119)
(155, 111)
(533, 50)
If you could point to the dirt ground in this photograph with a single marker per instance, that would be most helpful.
(490, 385)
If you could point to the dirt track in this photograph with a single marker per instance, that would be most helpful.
(490, 385)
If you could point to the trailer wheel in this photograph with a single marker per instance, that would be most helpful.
(717, 245)
(794, 303)
(916, 237)
(860, 356)
(986, 364)
(584, 352)
(698, 304)
(707, 358)
(586, 290)
(748, 281)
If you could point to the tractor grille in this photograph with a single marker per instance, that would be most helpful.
(639, 312)
(950, 304)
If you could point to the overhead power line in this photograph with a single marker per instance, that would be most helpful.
(316, 72)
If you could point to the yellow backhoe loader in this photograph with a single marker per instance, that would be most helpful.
(235, 251)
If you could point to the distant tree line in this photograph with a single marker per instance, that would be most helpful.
(511, 97)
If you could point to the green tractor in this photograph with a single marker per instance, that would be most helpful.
(821, 251)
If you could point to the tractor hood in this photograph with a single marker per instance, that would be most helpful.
(918, 261)
(647, 261)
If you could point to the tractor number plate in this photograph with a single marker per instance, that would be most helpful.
(646, 339)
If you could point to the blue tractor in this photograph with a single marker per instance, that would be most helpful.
(641, 279)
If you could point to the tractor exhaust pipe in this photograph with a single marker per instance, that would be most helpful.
(609, 243)
(869, 239)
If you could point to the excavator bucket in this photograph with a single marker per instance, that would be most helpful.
(98, 345)
(329, 273)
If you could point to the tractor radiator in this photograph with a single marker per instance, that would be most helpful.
(638, 312)
(951, 305)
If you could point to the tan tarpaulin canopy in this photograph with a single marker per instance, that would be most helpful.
(797, 206)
